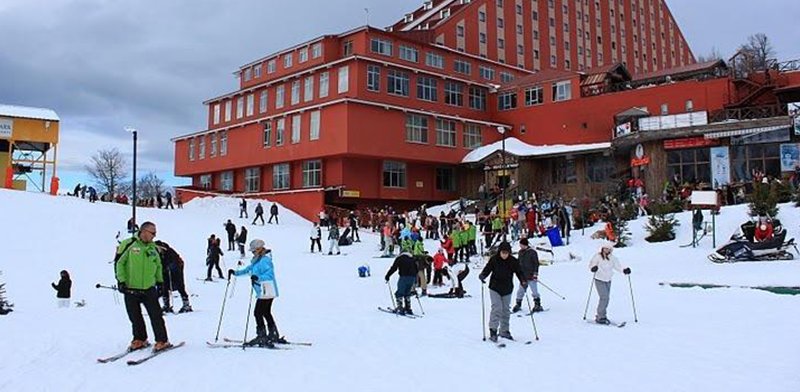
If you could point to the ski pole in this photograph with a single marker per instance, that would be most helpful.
(419, 302)
(535, 332)
(633, 302)
(586, 310)
(483, 311)
(394, 305)
(224, 298)
(247, 323)
(548, 287)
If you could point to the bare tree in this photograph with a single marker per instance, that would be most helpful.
(711, 56)
(108, 169)
(757, 53)
(150, 186)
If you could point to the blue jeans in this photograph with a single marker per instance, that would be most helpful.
(404, 285)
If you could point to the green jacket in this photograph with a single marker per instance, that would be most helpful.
(497, 224)
(472, 232)
(464, 240)
(407, 245)
(139, 267)
(455, 235)
(419, 249)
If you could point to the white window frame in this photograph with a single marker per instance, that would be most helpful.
(257, 71)
(427, 88)
(295, 92)
(312, 174)
(507, 100)
(213, 145)
(223, 143)
(398, 83)
(324, 84)
(251, 101)
(381, 46)
(477, 98)
(239, 107)
(463, 67)
(409, 53)
(281, 176)
(201, 154)
(263, 101)
(272, 65)
(280, 129)
(395, 169)
(534, 96)
(266, 135)
(226, 180)
(373, 78)
(416, 128)
(191, 149)
(434, 60)
(297, 123)
(316, 50)
(280, 98)
(562, 91)
(252, 179)
(473, 136)
(216, 114)
(313, 133)
(486, 73)
(453, 93)
(308, 89)
(445, 133)
(205, 181)
(344, 80)
(302, 55)
(228, 110)
(287, 60)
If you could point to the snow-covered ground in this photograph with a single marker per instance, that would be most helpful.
(685, 340)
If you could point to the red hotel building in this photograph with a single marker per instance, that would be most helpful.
(370, 117)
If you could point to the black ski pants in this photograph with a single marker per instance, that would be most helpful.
(231, 242)
(259, 216)
(173, 282)
(211, 266)
(270, 218)
(264, 312)
(149, 298)
(316, 241)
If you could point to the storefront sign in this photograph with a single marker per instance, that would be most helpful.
(689, 142)
(797, 124)
(623, 129)
(640, 161)
(720, 166)
(6, 128)
(790, 157)
(351, 193)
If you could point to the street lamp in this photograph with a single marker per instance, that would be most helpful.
(133, 198)
(503, 131)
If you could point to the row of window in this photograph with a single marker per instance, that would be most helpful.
(399, 83)
(200, 143)
(255, 71)
(299, 89)
(561, 91)
(417, 132)
(599, 169)
(296, 124)
(312, 177)
(394, 176)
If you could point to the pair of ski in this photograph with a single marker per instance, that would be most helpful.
(394, 312)
(141, 360)
(502, 344)
(236, 343)
(610, 323)
(528, 314)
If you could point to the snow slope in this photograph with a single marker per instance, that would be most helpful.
(685, 340)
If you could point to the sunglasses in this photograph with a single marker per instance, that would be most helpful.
(153, 233)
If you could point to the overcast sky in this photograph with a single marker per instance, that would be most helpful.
(106, 64)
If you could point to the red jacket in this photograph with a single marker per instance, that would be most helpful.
(763, 235)
(438, 261)
(448, 246)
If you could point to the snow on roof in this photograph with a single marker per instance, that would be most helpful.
(28, 112)
(519, 148)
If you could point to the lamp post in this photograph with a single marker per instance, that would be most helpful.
(133, 198)
(503, 131)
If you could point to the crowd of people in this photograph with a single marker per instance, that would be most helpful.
(160, 200)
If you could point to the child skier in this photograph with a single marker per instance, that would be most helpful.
(241, 239)
(63, 289)
(212, 261)
(529, 264)
(172, 271)
(333, 238)
(503, 267)
(603, 265)
(316, 235)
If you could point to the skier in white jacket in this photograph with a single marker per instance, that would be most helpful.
(603, 265)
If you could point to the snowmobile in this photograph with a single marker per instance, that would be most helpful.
(742, 247)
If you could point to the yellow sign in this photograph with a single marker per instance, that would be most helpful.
(351, 193)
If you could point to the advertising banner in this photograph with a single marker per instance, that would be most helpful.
(720, 166)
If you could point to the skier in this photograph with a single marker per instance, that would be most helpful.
(259, 214)
(502, 266)
(333, 238)
(457, 274)
(212, 261)
(273, 213)
(63, 289)
(76, 191)
(439, 260)
(262, 276)
(138, 270)
(603, 265)
(230, 228)
(354, 227)
(316, 236)
(243, 209)
(241, 239)
(172, 269)
(407, 269)
(529, 264)
(169, 201)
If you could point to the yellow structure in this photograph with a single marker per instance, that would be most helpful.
(28, 144)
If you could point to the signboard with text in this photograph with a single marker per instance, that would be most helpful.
(6, 128)
(689, 142)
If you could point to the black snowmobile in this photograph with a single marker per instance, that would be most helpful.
(742, 247)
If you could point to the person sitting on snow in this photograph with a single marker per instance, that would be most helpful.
(764, 230)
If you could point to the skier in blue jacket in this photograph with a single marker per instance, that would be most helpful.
(262, 275)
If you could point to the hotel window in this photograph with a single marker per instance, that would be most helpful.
(445, 179)
(191, 149)
(473, 137)
(262, 101)
(267, 134)
(499, 3)
(205, 181)
(535, 15)
(296, 124)
(562, 91)
(316, 50)
(563, 171)
(248, 74)
(519, 9)
(694, 164)
(506, 77)
(507, 100)
(257, 71)
(213, 139)
(534, 96)
(426, 88)
(216, 114)
(552, 41)
(323, 84)
(394, 174)
(271, 66)
(482, 37)
(462, 67)
(295, 92)
(501, 43)
(252, 179)
(416, 128)
(303, 55)
(500, 23)
(202, 147)
(251, 102)
(398, 83)
(599, 168)
(434, 60)
(552, 22)
(519, 29)
(460, 31)
(454, 93)
(280, 176)
(689, 105)
(445, 133)
(408, 53)
(344, 80)
(228, 110)
(287, 60)
(746, 158)
(226, 180)
(520, 49)
(486, 72)
(553, 60)
(664, 109)
(313, 133)
(223, 143)
(477, 98)
(381, 46)
(312, 174)
(239, 107)
(279, 96)
(280, 128)
(347, 48)
(482, 16)
(308, 93)
(373, 78)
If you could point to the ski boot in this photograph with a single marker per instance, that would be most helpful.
(602, 320)
(493, 335)
(517, 306)
(167, 309)
(186, 307)
(274, 337)
(161, 346)
(506, 335)
(537, 305)
(260, 339)
(400, 309)
(408, 310)
(138, 345)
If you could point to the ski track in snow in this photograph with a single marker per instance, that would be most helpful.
(685, 340)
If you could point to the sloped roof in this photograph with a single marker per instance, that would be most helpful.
(28, 112)
(677, 71)
(519, 148)
(547, 75)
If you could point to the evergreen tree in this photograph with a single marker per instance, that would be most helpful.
(620, 227)
(763, 202)
(5, 306)
(661, 223)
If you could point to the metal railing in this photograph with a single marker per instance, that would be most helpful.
(748, 113)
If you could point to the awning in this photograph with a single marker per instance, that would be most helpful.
(746, 131)
(594, 79)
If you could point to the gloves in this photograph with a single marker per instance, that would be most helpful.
(594, 269)
(230, 273)
(626, 271)
(122, 287)
(535, 277)
(482, 278)
(254, 278)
